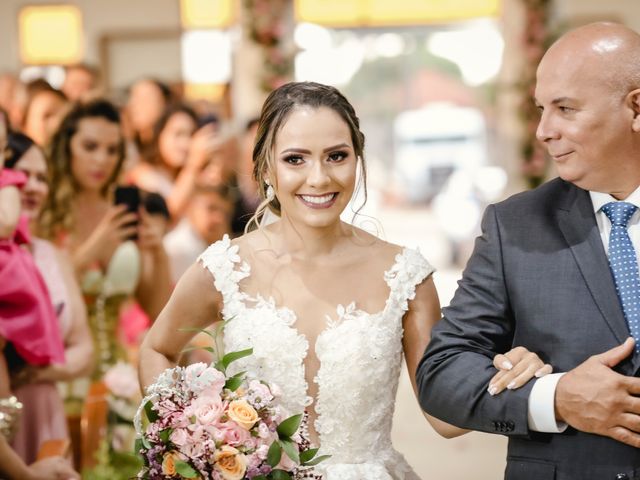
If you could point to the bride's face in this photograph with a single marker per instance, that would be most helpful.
(315, 166)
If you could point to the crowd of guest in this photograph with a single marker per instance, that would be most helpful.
(103, 206)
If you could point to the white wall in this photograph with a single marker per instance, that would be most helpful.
(99, 17)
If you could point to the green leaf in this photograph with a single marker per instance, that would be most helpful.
(191, 349)
(260, 477)
(152, 415)
(274, 454)
(185, 470)
(146, 443)
(198, 330)
(137, 446)
(280, 475)
(289, 426)
(307, 455)
(290, 449)
(231, 357)
(233, 383)
(316, 460)
(165, 434)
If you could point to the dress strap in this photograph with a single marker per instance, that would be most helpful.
(220, 258)
(409, 270)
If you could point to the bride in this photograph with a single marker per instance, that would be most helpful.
(328, 309)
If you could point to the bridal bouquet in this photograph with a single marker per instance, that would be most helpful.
(204, 424)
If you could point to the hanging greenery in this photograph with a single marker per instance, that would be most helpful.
(266, 26)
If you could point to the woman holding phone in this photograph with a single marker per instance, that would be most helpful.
(81, 216)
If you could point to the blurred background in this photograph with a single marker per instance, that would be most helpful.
(442, 87)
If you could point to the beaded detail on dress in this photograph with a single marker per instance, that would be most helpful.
(360, 358)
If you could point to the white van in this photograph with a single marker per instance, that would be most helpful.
(433, 142)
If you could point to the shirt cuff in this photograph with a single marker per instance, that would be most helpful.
(542, 416)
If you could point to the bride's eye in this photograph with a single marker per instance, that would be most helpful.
(338, 156)
(293, 159)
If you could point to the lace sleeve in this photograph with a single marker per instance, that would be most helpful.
(410, 269)
(220, 259)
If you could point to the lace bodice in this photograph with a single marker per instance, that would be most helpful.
(360, 358)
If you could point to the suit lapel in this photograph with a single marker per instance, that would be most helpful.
(578, 225)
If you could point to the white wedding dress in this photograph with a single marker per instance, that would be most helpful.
(360, 358)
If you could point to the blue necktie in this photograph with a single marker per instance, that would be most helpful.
(624, 265)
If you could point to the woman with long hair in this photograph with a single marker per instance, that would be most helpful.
(86, 156)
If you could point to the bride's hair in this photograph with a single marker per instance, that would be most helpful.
(276, 109)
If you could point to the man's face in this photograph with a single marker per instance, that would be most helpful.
(585, 122)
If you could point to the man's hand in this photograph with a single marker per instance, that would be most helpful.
(593, 398)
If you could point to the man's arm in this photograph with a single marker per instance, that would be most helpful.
(454, 373)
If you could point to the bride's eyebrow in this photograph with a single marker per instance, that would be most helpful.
(307, 152)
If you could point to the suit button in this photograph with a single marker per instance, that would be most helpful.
(622, 476)
(510, 426)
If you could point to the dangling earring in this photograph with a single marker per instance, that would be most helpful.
(271, 193)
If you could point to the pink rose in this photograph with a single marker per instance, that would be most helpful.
(207, 409)
(179, 437)
(234, 434)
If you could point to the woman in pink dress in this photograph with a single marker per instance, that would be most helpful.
(43, 410)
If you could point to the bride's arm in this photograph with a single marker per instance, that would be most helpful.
(195, 303)
(423, 314)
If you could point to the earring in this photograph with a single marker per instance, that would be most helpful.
(271, 193)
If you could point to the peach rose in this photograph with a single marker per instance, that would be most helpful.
(169, 463)
(230, 463)
(242, 413)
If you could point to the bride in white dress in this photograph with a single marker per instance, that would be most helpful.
(328, 309)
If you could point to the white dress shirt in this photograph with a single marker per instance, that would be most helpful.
(542, 397)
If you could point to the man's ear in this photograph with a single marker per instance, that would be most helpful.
(634, 102)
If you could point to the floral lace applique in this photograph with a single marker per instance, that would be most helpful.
(360, 360)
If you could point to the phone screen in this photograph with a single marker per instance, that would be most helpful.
(129, 196)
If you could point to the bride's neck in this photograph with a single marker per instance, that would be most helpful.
(306, 242)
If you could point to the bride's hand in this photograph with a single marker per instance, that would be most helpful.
(516, 368)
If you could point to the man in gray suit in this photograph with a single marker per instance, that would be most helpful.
(555, 270)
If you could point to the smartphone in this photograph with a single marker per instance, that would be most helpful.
(129, 196)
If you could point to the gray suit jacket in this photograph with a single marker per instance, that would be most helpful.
(538, 277)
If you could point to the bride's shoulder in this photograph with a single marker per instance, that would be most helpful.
(370, 245)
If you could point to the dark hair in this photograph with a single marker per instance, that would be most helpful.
(17, 145)
(153, 155)
(57, 215)
(277, 108)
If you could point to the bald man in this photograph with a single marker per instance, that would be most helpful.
(555, 270)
